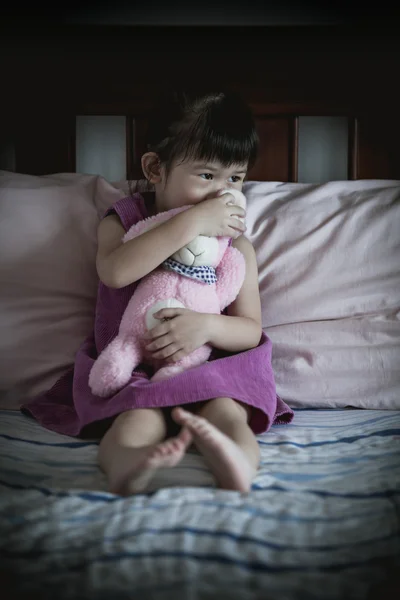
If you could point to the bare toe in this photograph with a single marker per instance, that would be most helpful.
(167, 454)
(185, 437)
(179, 414)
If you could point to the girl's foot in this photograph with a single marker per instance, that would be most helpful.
(226, 460)
(143, 463)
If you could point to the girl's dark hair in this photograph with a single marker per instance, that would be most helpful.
(207, 127)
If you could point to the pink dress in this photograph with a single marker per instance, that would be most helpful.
(69, 406)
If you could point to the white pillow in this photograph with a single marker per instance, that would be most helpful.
(48, 280)
(329, 273)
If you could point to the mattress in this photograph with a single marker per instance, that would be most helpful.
(321, 521)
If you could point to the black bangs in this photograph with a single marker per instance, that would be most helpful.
(223, 131)
(217, 127)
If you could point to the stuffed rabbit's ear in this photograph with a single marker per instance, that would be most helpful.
(240, 198)
(223, 243)
(141, 227)
(152, 222)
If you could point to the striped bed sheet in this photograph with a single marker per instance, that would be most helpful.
(321, 522)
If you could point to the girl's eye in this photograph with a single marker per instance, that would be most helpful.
(209, 177)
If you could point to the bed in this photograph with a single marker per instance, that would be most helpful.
(322, 519)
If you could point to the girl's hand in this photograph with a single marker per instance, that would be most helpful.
(183, 332)
(219, 216)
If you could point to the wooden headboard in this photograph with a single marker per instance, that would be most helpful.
(54, 73)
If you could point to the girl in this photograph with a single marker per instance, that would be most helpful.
(197, 146)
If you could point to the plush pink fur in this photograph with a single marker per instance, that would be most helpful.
(113, 368)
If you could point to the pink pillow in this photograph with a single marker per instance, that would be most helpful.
(328, 260)
(48, 280)
(329, 274)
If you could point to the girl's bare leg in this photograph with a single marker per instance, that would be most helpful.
(134, 448)
(222, 435)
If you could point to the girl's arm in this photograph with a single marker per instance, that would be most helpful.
(241, 329)
(120, 264)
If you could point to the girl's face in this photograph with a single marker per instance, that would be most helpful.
(194, 181)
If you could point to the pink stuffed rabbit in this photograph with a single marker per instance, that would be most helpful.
(204, 276)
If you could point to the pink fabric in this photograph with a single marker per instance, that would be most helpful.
(69, 406)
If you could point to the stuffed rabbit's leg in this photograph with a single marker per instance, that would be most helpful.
(196, 358)
(113, 368)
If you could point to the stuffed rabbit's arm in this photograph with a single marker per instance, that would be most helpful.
(230, 276)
